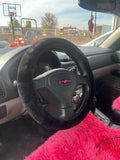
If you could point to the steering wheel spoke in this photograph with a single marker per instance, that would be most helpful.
(67, 113)
(82, 79)
(39, 82)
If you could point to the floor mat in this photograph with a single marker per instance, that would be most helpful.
(20, 137)
(90, 140)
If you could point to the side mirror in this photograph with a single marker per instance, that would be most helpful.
(98, 5)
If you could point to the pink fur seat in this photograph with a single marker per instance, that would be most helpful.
(89, 140)
(116, 104)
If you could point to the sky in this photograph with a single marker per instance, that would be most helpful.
(67, 12)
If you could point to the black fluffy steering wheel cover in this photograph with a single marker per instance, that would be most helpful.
(25, 85)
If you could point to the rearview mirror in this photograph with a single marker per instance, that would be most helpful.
(98, 5)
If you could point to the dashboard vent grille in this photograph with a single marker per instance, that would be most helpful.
(2, 93)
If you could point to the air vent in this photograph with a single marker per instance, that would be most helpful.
(2, 93)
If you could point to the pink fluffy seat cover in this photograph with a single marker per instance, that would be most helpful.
(116, 104)
(89, 140)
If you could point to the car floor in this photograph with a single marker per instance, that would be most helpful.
(20, 137)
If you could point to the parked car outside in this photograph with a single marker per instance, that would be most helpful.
(99, 40)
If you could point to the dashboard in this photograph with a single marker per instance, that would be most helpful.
(10, 103)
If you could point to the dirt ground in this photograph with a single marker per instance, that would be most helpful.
(19, 138)
(80, 39)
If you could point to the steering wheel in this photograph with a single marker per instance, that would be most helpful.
(55, 86)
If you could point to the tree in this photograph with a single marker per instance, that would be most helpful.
(16, 24)
(28, 24)
(49, 21)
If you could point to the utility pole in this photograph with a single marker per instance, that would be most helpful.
(91, 13)
(11, 19)
(95, 23)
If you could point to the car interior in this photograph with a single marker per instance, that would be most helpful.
(74, 89)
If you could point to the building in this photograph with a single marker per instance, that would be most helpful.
(101, 29)
(4, 29)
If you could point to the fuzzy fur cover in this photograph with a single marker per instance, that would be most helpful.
(28, 93)
(90, 140)
(116, 104)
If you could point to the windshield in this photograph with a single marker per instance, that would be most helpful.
(25, 22)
